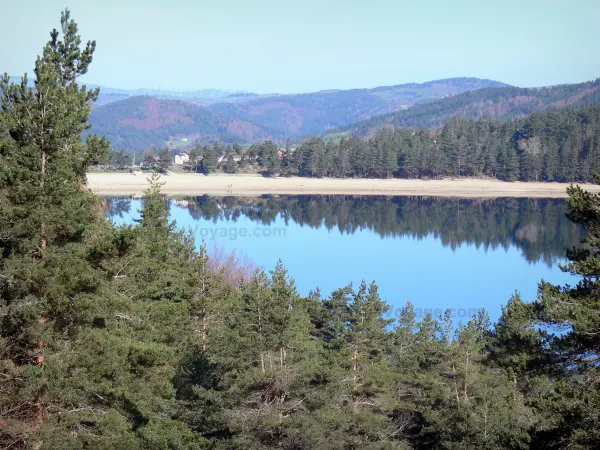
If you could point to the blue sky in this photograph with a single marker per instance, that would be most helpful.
(306, 45)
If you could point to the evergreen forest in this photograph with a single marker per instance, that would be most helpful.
(127, 337)
(556, 145)
(552, 146)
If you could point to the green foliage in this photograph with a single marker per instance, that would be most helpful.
(164, 160)
(230, 164)
(130, 338)
(210, 159)
(573, 310)
(119, 160)
(266, 156)
(195, 155)
(551, 146)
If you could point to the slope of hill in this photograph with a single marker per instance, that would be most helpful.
(314, 113)
(137, 123)
(495, 102)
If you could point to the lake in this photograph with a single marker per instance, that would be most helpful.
(439, 253)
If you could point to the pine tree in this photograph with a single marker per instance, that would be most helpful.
(574, 312)
(195, 159)
(312, 161)
(45, 127)
(510, 164)
(474, 157)
(366, 334)
(405, 357)
(243, 155)
(481, 408)
(451, 149)
(516, 345)
(569, 160)
(390, 159)
(45, 212)
(88, 374)
(359, 157)
(230, 164)
(210, 159)
(268, 361)
(412, 153)
(551, 162)
(150, 159)
(237, 149)
(270, 158)
(42, 176)
(423, 362)
(331, 150)
(341, 162)
(155, 213)
(492, 157)
(164, 161)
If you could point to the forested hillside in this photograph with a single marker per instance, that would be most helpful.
(137, 123)
(130, 337)
(313, 113)
(492, 102)
(556, 145)
(550, 146)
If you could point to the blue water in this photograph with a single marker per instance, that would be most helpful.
(425, 270)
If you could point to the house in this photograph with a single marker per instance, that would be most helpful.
(182, 158)
(223, 158)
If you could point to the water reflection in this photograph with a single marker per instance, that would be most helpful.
(537, 227)
(439, 253)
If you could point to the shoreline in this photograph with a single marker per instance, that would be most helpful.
(125, 184)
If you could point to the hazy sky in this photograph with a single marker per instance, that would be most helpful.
(307, 45)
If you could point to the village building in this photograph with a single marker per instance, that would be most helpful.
(182, 158)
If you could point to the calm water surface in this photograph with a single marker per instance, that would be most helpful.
(439, 253)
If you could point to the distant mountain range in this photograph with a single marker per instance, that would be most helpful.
(307, 114)
(498, 102)
(201, 93)
(202, 96)
(247, 117)
(181, 118)
(109, 94)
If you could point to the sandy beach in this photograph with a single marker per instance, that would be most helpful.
(119, 184)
